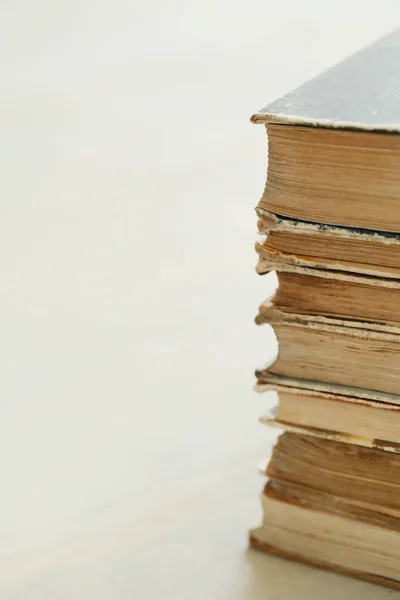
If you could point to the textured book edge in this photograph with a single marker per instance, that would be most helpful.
(268, 381)
(269, 221)
(274, 260)
(269, 314)
(355, 329)
(334, 436)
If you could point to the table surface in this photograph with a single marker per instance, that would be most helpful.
(129, 439)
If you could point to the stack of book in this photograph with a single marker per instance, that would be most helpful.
(330, 217)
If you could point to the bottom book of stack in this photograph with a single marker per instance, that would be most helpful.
(335, 505)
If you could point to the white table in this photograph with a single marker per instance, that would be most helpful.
(128, 428)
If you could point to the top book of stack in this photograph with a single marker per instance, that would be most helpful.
(333, 158)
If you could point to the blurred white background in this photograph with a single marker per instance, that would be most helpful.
(129, 173)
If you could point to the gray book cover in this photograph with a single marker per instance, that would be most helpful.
(361, 92)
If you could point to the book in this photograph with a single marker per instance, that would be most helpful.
(323, 295)
(358, 421)
(366, 477)
(338, 541)
(293, 242)
(329, 222)
(338, 354)
(333, 144)
(352, 508)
